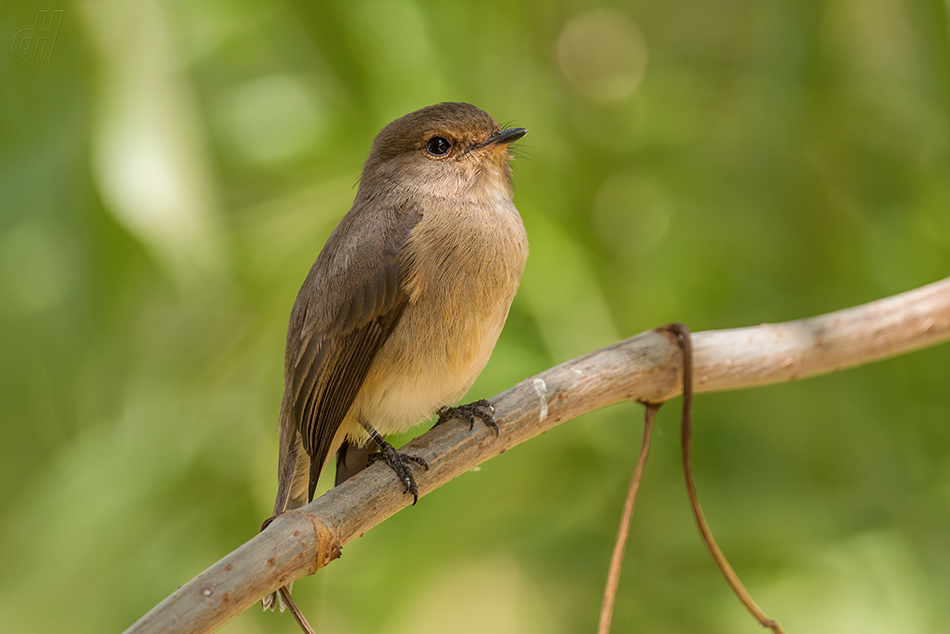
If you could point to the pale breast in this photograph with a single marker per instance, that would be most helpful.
(467, 264)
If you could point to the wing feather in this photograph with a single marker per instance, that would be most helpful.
(350, 303)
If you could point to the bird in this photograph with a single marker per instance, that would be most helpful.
(403, 306)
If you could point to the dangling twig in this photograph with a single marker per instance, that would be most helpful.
(298, 615)
(616, 560)
(683, 338)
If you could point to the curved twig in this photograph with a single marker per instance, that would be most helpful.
(645, 368)
(620, 544)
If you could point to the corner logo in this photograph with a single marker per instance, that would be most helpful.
(35, 46)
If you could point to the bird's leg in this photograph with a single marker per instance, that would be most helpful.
(398, 462)
(470, 412)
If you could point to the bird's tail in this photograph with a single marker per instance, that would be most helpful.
(292, 480)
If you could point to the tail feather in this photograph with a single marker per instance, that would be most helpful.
(292, 480)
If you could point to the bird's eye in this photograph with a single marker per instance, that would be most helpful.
(438, 146)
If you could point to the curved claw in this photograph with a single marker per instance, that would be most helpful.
(470, 412)
(399, 462)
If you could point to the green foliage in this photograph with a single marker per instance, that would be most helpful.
(170, 171)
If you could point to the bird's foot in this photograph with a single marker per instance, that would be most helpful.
(399, 462)
(470, 412)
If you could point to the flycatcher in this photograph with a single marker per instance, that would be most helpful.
(405, 302)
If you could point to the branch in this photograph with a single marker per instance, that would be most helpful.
(645, 368)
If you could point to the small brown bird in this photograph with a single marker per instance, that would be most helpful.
(405, 302)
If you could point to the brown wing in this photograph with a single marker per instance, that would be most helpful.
(345, 311)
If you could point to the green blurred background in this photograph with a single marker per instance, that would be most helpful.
(170, 171)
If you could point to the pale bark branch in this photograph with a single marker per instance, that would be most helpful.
(645, 368)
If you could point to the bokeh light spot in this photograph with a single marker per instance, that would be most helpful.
(603, 54)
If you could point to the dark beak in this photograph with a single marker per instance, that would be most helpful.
(504, 137)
